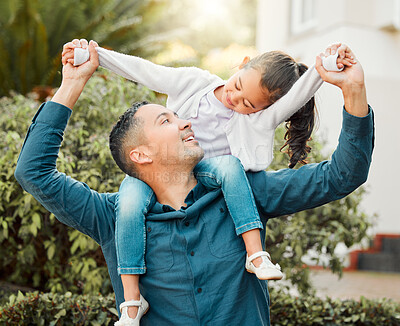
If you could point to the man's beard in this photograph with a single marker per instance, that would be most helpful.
(187, 158)
(193, 156)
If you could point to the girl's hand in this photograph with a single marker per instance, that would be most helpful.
(351, 76)
(345, 58)
(68, 50)
(74, 78)
(350, 80)
(84, 71)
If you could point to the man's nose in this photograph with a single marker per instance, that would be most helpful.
(185, 124)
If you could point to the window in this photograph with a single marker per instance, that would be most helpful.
(396, 17)
(303, 15)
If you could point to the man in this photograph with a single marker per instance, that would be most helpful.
(193, 277)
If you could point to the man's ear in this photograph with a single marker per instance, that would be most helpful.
(138, 156)
(244, 62)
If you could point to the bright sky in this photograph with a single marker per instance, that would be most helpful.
(208, 10)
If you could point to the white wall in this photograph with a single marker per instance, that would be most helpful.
(354, 23)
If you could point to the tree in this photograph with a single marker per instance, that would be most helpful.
(32, 34)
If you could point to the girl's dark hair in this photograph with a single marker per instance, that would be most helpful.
(279, 72)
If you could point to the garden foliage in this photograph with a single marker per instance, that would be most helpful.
(311, 310)
(71, 309)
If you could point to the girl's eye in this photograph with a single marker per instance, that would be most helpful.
(164, 121)
(237, 87)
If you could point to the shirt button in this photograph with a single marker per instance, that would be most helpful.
(192, 253)
(199, 290)
(221, 210)
(149, 229)
(187, 223)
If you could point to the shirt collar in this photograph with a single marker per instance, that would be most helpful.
(197, 192)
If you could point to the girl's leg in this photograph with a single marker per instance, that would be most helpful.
(252, 241)
(130, 282)
(134, 199)
(227, 173)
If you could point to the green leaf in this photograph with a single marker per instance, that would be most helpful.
(12, 299)
(36, 220)
(33, 229)
(113, 310)
(60, 314)
(50, 251)
(20, 296)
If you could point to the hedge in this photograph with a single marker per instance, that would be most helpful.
(312, 310)
(56, 309)
(59, 309)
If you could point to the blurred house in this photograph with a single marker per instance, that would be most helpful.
(371, 28)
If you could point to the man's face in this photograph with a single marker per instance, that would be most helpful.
(170, 140)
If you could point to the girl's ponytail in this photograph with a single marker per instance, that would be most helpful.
(299, 128)
(279, 72)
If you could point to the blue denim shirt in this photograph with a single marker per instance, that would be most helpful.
(195, 261)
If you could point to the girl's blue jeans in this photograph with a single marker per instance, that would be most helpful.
(135, 199)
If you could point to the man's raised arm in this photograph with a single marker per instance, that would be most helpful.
(72, 202)
(288, 191)
(75, 78)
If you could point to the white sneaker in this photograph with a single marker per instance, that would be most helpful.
(125, 320)
(266, 270)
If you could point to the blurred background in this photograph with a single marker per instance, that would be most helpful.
(359, 233)
(372, 30)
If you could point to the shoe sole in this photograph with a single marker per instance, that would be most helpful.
(145, 311)
(276, 278)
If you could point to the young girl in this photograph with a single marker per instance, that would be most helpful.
(228, 117)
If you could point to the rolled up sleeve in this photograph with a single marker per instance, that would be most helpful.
(72, 202)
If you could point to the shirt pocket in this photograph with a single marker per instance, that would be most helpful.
(159, 256)
(221, 235)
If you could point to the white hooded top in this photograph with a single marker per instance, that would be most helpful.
(250, 137)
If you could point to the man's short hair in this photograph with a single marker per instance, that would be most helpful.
(126, 134)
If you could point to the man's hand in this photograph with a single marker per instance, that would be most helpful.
(84, 71)
(350, 80)
(75, 78)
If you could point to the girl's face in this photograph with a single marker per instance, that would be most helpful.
(243, 92)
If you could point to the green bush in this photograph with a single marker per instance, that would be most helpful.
(70, 309)
(311, 310)
(59, 309)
